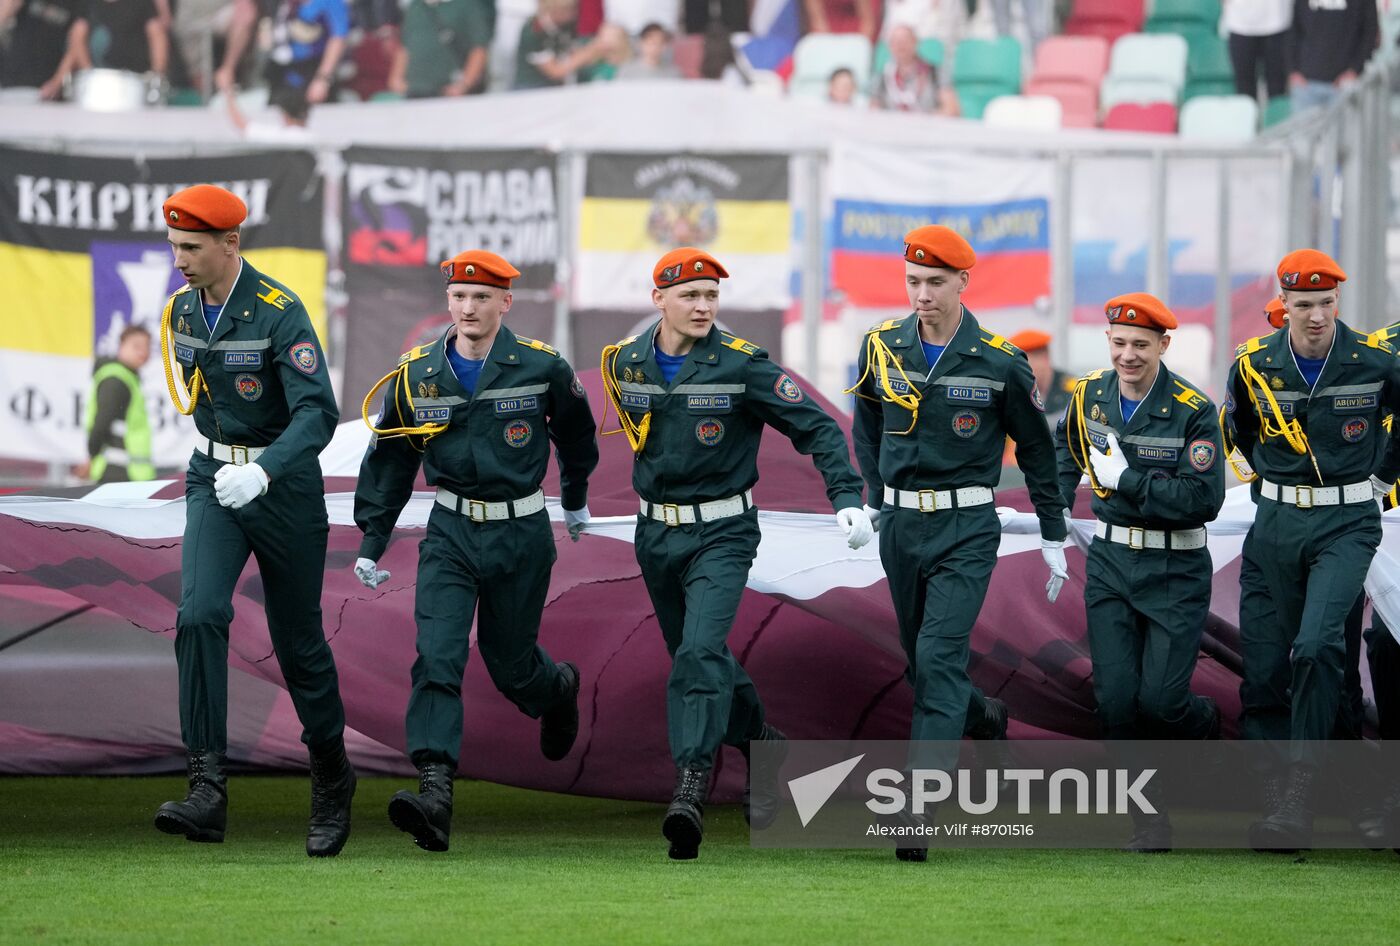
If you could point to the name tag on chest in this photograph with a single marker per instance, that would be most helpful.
(243, 360)
(184, 354)
(899, 386)
(964, 394)
(707, 402)
(432, 415)
(1158, 454)
(636, 402)
(516, 405)
(1354, 403)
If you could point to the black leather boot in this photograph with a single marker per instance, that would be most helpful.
(428, 815)
(332, 787)
(685, 819)
(1287, 828)
(994, 723)
(916, 850)
(761, 796)
(1213, 727)
(559, 724)
(203, 814)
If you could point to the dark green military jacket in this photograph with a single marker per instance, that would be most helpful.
(1342, 416)
(264, 368)
(1176, 465)
(981, 392)
(706, 424)
(496, 445)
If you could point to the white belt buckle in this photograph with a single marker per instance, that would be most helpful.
(671, 514)
(1137, 537)
(476, 510)
(238, 456)
(928, 500)
(1303, 497)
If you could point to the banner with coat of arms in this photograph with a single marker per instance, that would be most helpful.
(637, 207)
(83, 254)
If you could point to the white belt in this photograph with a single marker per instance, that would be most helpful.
(1306, 497)
(686, 515)
(936, 500)
(478, 510)
(1136, 537)
(225, 453)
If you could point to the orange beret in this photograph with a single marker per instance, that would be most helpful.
(1140, 308)
(479, 266)
(1273, 310)
(1030, 339)
(938, 246)
(684, 265)
(1309, 271)
(204, 207)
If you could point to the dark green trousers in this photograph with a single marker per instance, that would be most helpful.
(500, 571)
(1308, 565)
(938, 566)
(1146, 611)
(286, 532)
(695, 576)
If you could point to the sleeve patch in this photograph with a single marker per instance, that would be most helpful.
(1037, 401)
(787, 390)
(576, 387)
(1202, 455)
(304, 358)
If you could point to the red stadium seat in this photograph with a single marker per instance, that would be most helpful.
(1079, 103)
(686, 52)
(1081, 58)
(1157, 117)
(1109, 19)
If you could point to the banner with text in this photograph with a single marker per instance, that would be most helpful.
(83, 254)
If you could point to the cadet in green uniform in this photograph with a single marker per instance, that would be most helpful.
(1304, 406)
(478, 409)
(1148, 572)
(937, 397)
(1055, 385)
(263, 406)
(119, 429)
(693, 401)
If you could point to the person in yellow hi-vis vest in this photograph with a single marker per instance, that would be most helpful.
(117, 425)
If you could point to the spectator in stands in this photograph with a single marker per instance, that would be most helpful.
(289, 103)
(546, 55)
(843, 16)
(195, 26)
(1035, 14)
(374, 45)
(907, 83)
(308, 40)
(33, 40)
(129, 35)
(699, 15)
(635, 16)
(841, 87)
(444, 48)
(943, 20)
(614, 48)
(653, 60)
(1331, 43)
(1258, 36)
(243, 20)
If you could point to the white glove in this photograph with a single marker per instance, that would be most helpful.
(1054, 554)
(873, 515)
(1108, 467)
(370, 575)
(1380, 489)
(576, 520)
(1004, 514)
(857, 526)
(237, 486)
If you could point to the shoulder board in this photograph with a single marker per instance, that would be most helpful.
(1094, 375)
(1388, 422)
(884, 326)
(1378, 340)
(415, 353)
(273, 296)
(1251, 346)
(739, 344)
(186, 288)
(1387, 333)
(1068, 382)
(536, 345)
(1191, 398)
(999, 342)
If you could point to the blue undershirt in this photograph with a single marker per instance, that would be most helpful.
(1310, 367)
(1128, 406)
(211, 315)
(932, 352)
(669, 364)
(467, 370)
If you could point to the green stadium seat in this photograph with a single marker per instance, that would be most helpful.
(1277, 110)
(185, 98)
(984, 69)
(818, 55)
(384, 95)
(1184, 17)
(1222, 119)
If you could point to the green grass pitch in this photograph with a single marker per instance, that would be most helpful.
(82, 864)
